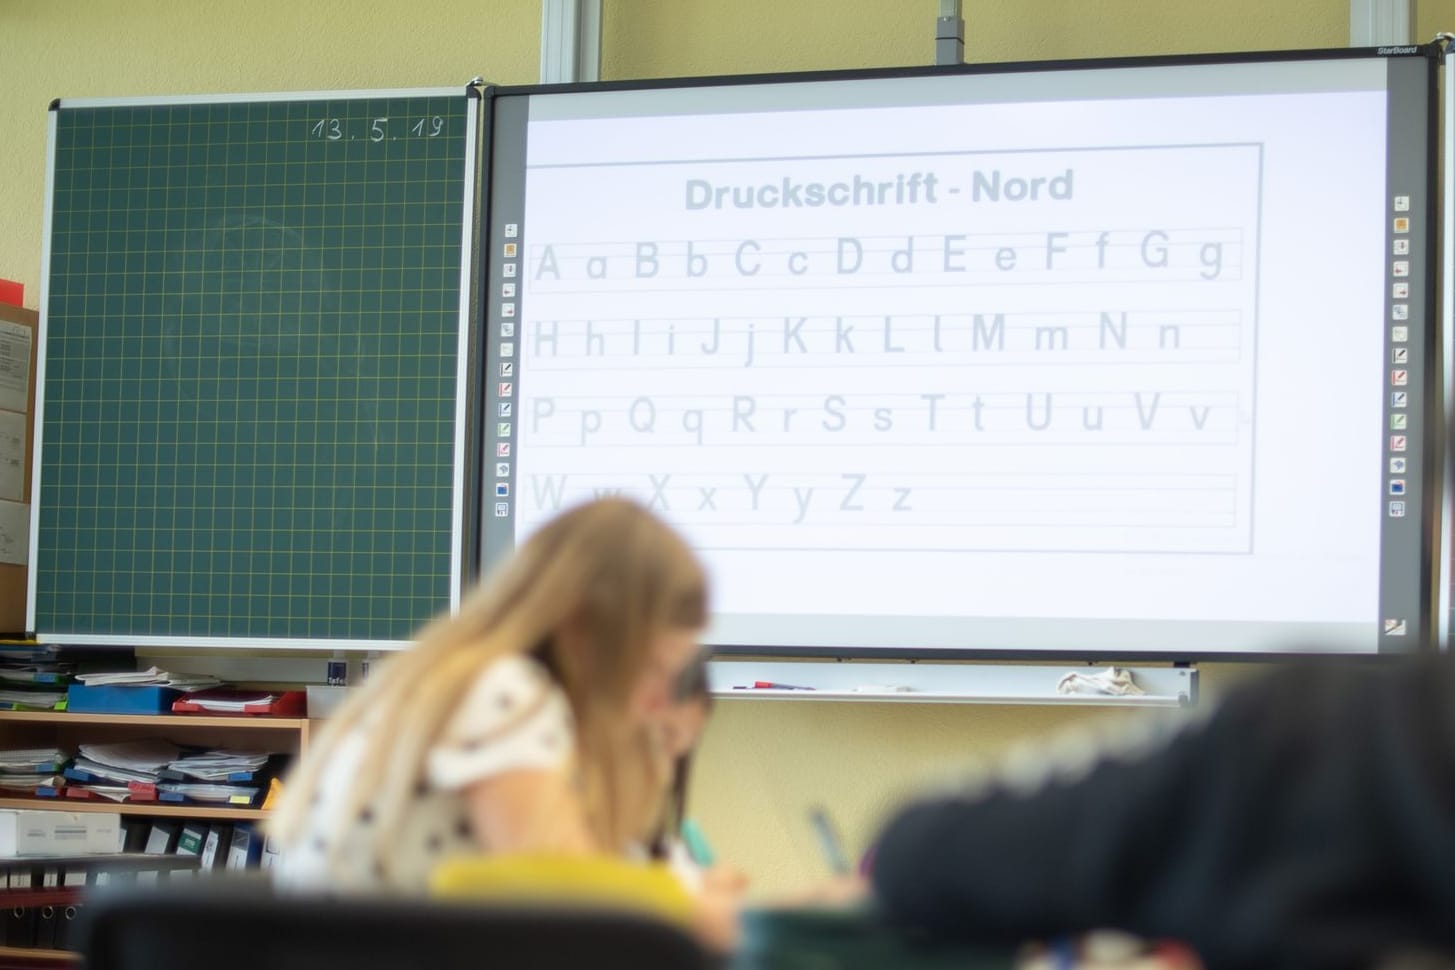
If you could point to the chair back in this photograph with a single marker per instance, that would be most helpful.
(175, 929)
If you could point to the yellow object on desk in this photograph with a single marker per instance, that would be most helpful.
(647, 889)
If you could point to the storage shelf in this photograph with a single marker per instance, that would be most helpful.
(242, 721)
(154, 809)
(288, 734)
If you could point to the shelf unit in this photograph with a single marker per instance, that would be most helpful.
(66, 730)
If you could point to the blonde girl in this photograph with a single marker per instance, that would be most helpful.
(515, 725)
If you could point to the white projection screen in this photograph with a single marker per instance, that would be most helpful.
(1113, 359)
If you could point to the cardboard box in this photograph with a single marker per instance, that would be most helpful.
(28, 832)
(324, 700)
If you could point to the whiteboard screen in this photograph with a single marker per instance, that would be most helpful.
(1126, 359)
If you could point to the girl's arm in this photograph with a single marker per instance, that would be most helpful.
(529, 811)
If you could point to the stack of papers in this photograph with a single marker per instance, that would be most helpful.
(116, 793)
(33, 761)
(127, 761)
(44, 673)
(151, 677)
(38, 678)
(29, 783)
(14, 653)
(196, 792)
(220, 765)
(217, 773)
(234, 701)
(32, 700)
(26, 769)
(96, 769)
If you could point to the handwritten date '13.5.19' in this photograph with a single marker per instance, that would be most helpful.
(377, 129)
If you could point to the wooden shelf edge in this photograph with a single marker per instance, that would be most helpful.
(245, 722)
(38, 955)
(154, 809)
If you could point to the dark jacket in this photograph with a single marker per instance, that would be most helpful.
(1310, 822)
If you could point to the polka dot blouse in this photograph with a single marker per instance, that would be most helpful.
(515, 717)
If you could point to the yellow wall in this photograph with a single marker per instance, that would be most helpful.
(108, 48)
(763, 762)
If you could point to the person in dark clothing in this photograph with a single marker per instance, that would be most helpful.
(1308, 822)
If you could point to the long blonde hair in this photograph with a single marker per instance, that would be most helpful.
(609, 573)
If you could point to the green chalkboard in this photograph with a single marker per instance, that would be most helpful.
(251, 349)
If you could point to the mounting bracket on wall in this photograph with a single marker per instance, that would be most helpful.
(950, 33)
(1381, 23)
(570, 41)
